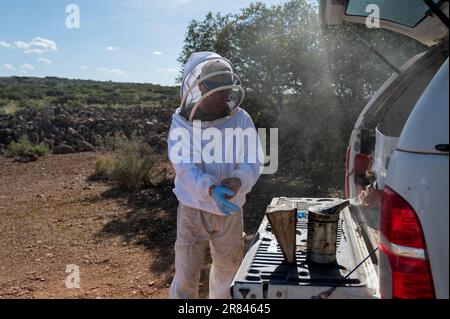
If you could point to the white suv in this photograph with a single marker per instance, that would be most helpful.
(414, 206)
(397, 159)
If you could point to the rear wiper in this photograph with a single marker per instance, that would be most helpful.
(437, 11)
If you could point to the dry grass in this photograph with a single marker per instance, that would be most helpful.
(133, 165)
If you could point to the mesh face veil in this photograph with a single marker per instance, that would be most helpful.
(210, 89)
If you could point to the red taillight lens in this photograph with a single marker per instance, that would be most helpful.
(402, 234)
(399, 222)
(411, 277)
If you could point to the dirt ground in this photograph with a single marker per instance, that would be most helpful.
(53, 216)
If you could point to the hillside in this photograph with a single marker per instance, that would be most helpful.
(40, 92)
(80, 115)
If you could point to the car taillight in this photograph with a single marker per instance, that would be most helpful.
(347, 161)
(399, 222)
(403, 242)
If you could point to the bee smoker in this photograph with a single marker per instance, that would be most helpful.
(283, 221)
(322, 231)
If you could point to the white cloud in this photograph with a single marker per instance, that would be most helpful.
(110, 48)
(44, 44)
(157, 53)
(45, 61)
(84, 67)
(4, 44)
(22, 45)
(169, 70)
(115, 71)
(112, 71)
(37, 45)
(25, 68)
(7, 67)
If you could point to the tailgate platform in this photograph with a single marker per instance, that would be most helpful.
(263, 273)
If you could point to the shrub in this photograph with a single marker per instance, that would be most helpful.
(24, 146)
(103, 167)
(133, 165)
(10, 108)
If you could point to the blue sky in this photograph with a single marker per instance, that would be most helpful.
(124, 41)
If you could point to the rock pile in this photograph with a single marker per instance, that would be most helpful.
(68, 130)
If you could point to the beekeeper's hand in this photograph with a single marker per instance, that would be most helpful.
(232, 183)
(219, 193)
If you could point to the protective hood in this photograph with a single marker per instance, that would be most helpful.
(210, 89)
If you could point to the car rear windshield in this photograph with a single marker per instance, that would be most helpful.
(405, 12)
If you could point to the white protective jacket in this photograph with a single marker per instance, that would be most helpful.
(193, 180)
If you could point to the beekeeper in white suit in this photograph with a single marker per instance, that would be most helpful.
(211, 194)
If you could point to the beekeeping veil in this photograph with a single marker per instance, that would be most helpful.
(209, 88)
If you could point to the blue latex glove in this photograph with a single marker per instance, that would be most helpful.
(225, 206)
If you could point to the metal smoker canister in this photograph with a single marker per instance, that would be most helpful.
(322, 232)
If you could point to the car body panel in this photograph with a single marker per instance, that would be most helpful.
(427, 125)
(422, 180)
(419, 173)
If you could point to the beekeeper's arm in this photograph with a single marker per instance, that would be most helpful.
(189, 175)
(249, 167)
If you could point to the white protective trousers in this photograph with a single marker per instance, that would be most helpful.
(195, 229)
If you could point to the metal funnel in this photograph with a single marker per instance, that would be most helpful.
(283, 220)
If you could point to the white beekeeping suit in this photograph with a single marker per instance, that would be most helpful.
(210, 211)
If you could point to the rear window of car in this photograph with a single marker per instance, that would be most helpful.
(405, 12)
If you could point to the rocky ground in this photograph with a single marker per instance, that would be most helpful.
(69, 129)
(53, 216)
